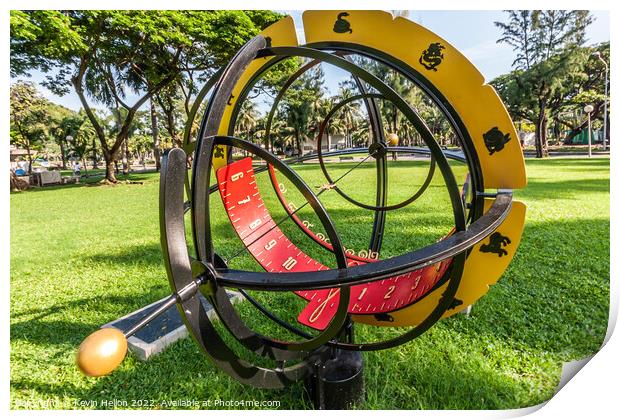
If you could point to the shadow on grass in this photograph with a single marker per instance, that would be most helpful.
(183, 373)
(147, 254)
(541, 188)
(554, 297)
(41, 331)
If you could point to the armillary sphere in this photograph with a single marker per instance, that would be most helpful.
(240, 190)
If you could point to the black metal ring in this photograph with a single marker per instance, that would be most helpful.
(344, 195)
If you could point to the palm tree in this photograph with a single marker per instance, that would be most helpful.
(247, 119)
(350, 115)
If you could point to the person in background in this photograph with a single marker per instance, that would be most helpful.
(76, 168)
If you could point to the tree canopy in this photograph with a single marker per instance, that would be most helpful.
(549, 64)
(112, 56)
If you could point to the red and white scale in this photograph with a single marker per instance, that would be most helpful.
(276, 253)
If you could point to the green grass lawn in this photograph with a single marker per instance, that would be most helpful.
(82, 256)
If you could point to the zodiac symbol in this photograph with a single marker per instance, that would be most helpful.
(432, 56)
(496, 242)
(495, 140)
(384, 317)
(455, 302)
(342, 25)
(219, 152)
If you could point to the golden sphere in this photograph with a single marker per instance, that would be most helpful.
(392, 139)
(101, 352)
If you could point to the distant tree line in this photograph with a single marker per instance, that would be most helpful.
(162, 59)
(555, 75)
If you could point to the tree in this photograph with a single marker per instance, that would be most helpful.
(106, 55)
(297, 104)
(28, 118)
(170, 103)
(587, 88)
(63, 123)
(247, 120)
(546, 45)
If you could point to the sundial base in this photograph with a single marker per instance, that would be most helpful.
(338, 384)
(163, 331)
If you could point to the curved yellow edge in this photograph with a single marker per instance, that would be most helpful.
(477, 104)
(282, 33)
(482, 269)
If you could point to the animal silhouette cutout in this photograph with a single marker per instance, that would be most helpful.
(495, 140)
(432, 56)
(384, 317)
(342, 26)
(496, 243)
(219, 152)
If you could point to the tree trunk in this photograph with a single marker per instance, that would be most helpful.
(62, 154)
(155, 134)
(29, 158)
(126, 157)
(541, 133)
(110, 168)
(18, 184)
(298, 142)
(84, 163)
(95, 155)
(111, 163)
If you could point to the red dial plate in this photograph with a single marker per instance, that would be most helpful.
(276, 253)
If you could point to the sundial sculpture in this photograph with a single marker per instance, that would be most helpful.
(415, 289)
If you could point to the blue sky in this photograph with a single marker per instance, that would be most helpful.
(472, 32)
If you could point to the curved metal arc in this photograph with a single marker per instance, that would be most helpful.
(449, 247)
(201, 227)
(201, 173)
(187, 146)
(281, 93)
(196, 106)
(177, 263)
(439, 308)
